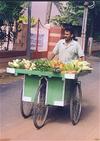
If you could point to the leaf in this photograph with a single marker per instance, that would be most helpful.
(69, 13)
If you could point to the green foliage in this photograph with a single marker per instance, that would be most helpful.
(11, 10)
(24, 19)
(69, 13)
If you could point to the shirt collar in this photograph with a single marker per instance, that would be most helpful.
(64, 42)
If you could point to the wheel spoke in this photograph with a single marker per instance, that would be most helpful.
(40, 109)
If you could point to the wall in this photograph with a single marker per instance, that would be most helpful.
(21, 41)
(39, 9)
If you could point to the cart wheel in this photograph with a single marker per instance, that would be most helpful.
(40, 110)
(75, 104)
(25, 107)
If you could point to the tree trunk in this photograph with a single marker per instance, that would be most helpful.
(48, 12)
(84, 25)
(29, 31)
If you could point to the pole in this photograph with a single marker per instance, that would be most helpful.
(84, 25)
(48, 13)
(90, 40)
(29, 31)
(37, 38)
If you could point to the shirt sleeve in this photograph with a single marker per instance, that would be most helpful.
(80, 50)
(56, 48)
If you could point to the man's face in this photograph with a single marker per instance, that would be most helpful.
(68, 36)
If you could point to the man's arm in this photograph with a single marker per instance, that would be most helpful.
(54, 52)
(51, 55)
(80, 52)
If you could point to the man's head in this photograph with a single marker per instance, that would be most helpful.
(68, 34)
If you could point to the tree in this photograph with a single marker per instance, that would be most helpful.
(48, 12)
(69, 13)
(11, 10)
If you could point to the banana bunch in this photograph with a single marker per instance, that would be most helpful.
(22, 64)
(83, 65)
(76, 66)
(28, 64)
(14, 63)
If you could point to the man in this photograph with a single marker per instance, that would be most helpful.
(67, 49)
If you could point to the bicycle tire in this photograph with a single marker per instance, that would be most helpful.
(25, 107)
(75, 104)
(40, 110)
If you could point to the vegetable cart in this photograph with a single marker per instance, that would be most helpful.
(44, 89)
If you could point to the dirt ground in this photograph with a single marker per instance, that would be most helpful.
(8, 78)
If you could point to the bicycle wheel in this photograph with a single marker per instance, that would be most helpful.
(75, 103)
(40, 110)
(25, 107)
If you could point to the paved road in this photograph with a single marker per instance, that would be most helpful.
(13, 127)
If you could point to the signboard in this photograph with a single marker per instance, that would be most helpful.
(42, 39)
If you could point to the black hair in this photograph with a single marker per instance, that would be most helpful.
(69, 27)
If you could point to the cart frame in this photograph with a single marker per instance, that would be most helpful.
(44, 89)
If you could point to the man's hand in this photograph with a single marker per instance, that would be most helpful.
(82, 58)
